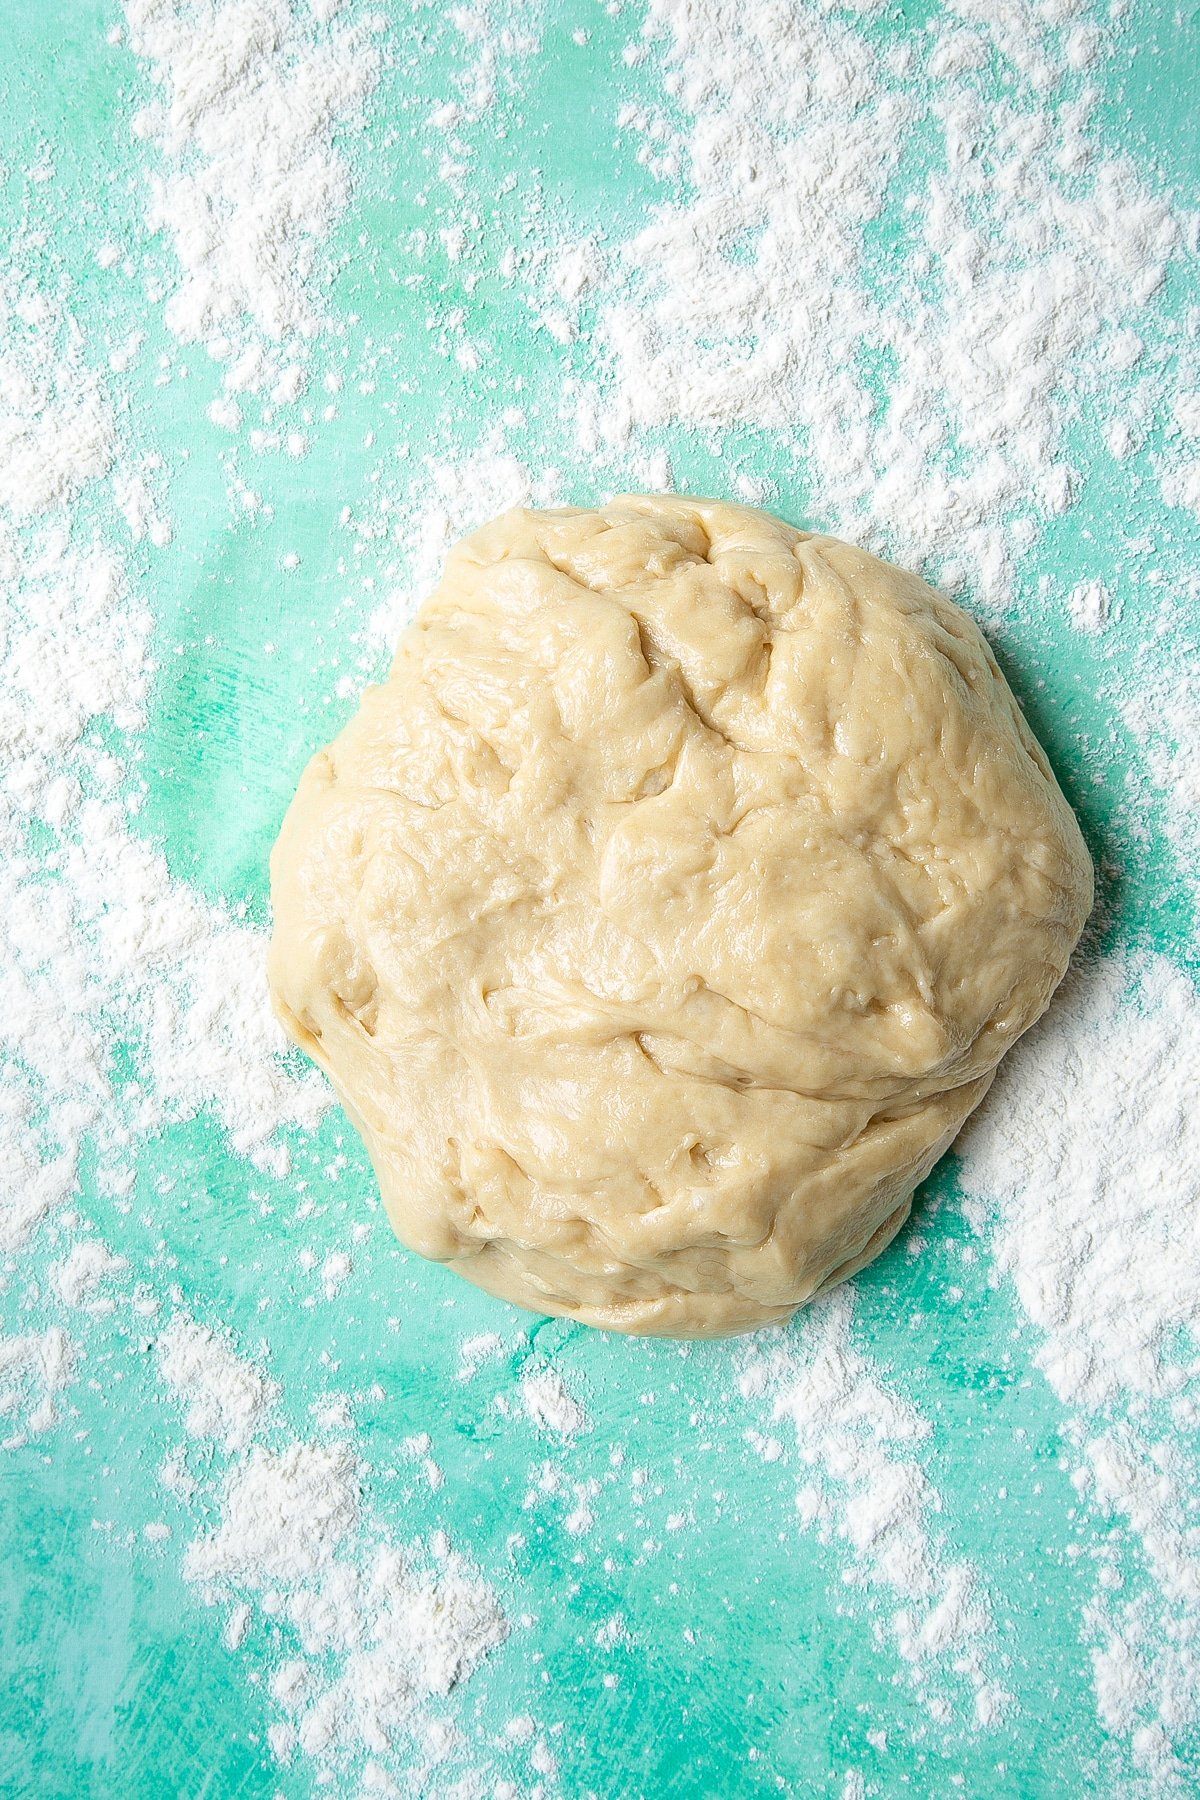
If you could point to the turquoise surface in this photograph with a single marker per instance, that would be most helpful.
(749, 1667)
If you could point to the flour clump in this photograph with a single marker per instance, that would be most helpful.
(664, 914)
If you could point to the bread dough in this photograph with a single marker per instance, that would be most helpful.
(662, 917)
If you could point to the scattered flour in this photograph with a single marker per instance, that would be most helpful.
(115, 948)
(55, 429)
(474, 1352)
(34, 1370)
(191, 984)
(448, 499)
(1088, 605)
(283, 1515)
(552, 1408)
(253, 96)
(1083, 1171)
(930, 401)
(1162, 709)
(936, 407)
(865, 1488)
(227, 1398)
(380, 1630)
(80, 1277)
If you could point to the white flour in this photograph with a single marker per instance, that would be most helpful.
(1162, 709)
(80, 1279)
(34, 1369)
(865, 1488)
(1083, 1170)
(752, 298)
(55, 431)
(1088, 605)
(251, 181)
(551, 1407)
(381, 1629)
(455, 498)
(227, 1398)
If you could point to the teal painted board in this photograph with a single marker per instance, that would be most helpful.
(247, 1436)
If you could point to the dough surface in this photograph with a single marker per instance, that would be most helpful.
(662, 917)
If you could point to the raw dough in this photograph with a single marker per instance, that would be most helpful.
(663, 916)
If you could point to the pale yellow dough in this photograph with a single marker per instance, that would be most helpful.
(663, 916)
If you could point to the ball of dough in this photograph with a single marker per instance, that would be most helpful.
(662, 917)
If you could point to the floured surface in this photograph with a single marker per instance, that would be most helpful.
(313, 1516)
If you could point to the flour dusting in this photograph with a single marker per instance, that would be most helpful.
(550, 1405)
(929, 402)
(251, 181)
(380, 1628)
(1083, 1171)
(859, 1444)
(914, 281)
(34, 1369)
